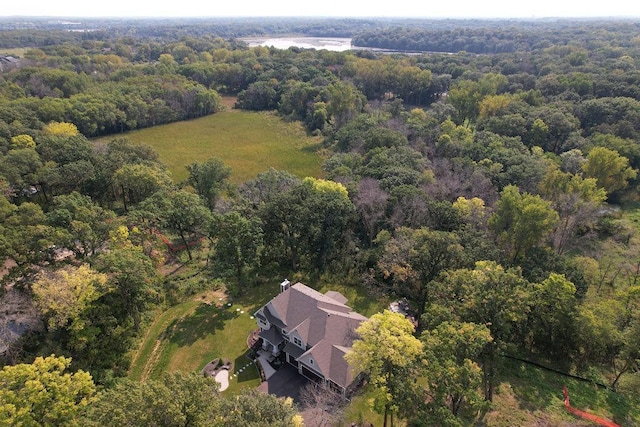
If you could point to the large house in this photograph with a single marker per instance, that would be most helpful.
(313, 330)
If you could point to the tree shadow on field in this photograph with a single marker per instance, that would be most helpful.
(254, 297)
(534, 387)
(204, 321)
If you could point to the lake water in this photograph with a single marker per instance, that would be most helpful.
(328, 43)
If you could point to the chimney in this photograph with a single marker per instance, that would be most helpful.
(285, 285)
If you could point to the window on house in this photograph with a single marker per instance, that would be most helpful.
(311, 361)
(297, 341)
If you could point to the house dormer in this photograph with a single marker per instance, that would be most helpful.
(295, 338)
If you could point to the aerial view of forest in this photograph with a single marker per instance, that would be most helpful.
(160, 177)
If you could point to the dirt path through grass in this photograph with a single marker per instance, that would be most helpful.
(187, 336)
(147, 355)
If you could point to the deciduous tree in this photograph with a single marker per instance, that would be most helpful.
(576, 200)
(415, 257)
(521, 221)
(179, 211)
(387, 352)
(209, 178)
(133, 280)
(43, 394)
(178, 399)
(63, 295)
(88, 225)
(487, 295)
(451, 354)
(610, 169)
(237, 242)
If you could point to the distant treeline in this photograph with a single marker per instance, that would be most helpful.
(500, 37)
(425, 35)
(46, 32)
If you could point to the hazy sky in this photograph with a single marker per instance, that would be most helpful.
(327, 8)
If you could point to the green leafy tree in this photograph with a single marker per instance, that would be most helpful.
(238, 242)
(255, 409)
(136, 182)
(465, 96)
(608, 332)
(387, 352)
(521, 221)
(209, 178)
(552, 322)
(309, 225)
(180, 212)
(178, 399)
(267, 186)
(609, 168)
(133, 279)
(576, 199)
(413, 258)
(24, 235)
(487, 295)
(88, 224)
(345, 102)
(187, 399)
(20, 168)
(451, 354)
(43, 394)
(64, 295)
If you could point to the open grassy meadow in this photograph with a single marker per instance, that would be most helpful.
(14, 51)
(248, 142)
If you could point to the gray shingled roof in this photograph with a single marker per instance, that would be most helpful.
(324, 322)
(272, 335)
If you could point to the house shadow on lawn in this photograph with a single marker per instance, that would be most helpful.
(202, 322)
(245, 369)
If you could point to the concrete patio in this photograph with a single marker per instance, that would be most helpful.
(265, 357)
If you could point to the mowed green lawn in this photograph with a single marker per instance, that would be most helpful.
(248, 142)
(187, 336)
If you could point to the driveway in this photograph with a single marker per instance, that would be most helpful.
(285, 382)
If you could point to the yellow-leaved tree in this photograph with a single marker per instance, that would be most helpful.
(43, 394)
(388, 353)
(63, 295)
(61, 129)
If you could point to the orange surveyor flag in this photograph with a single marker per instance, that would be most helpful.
(585, 415)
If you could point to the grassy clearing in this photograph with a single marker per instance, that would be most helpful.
(248, 142)
(17, 52)
(154, 340)
(188, 335)
(527, 394)
(358, 298)
(360, 410)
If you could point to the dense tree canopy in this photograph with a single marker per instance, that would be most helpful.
(479, 184)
